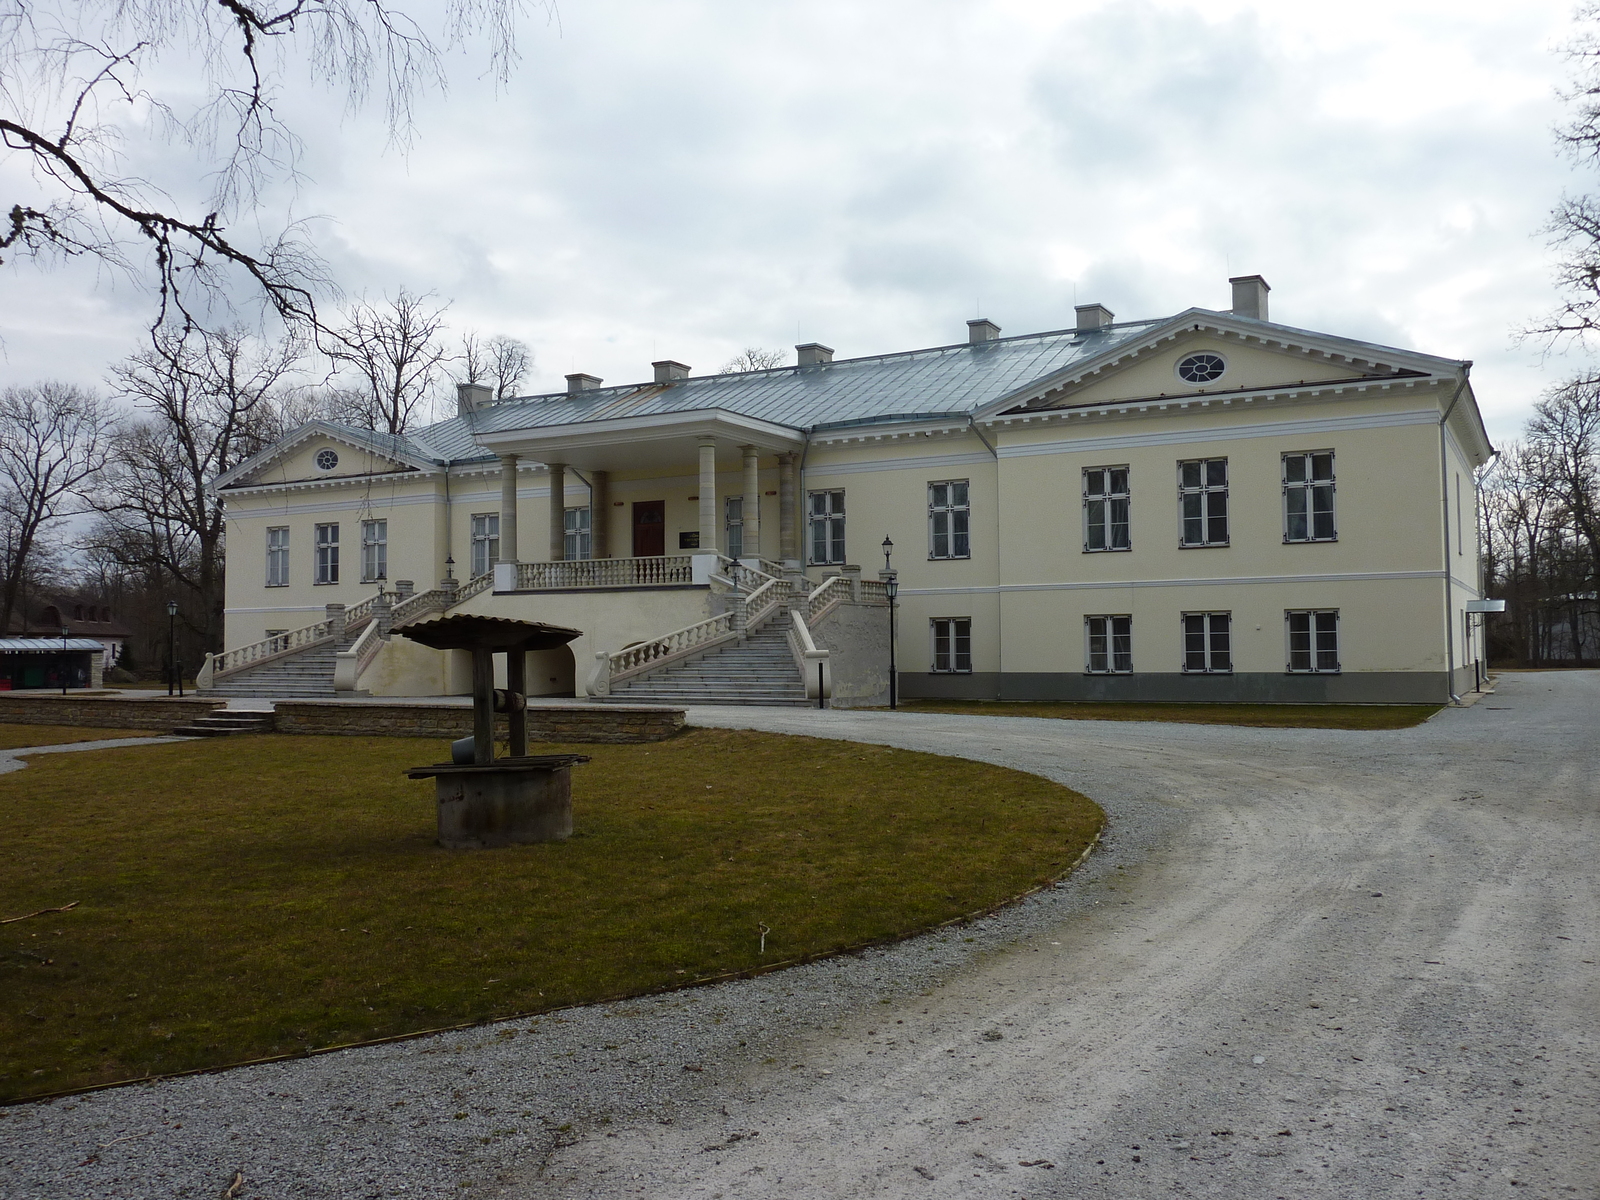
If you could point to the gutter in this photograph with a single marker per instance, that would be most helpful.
(1444, 496)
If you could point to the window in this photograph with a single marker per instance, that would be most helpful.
(485, 542)
(327, 460)
(1308, 497)
(1206, 648)
(733, 522)
(952, 644)
(1203, 495)
(575, 543)
(1458, 513)
(827, 527)
(1110, 645)
(374, 551)
(1105, 509)
(278, 556)
(1201, 368)
(327, 555)
(949, 520)
(1314, 641)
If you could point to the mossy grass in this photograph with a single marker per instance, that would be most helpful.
(14, 736)
(265, 894)
(1265, 716)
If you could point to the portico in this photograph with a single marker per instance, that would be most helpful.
(737, 466)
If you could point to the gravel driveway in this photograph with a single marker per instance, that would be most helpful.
(1305, 964)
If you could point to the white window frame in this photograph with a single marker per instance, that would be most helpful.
(1208, 662)
(577, 542)
(950, 519)
(484, 529)
(375, 550)
(1312, 655)
(1206, 498)
(954, 631)
(1103, 491)
(325, 554)
(1306, 489)
(828, 524)
(733, 525)
(277, 556)
(1105, 631)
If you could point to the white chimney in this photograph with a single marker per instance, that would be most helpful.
(582, 383)
(470, 397)
(668, 371)
(814, 354)
(1250, 296)
(982, 330)
(1094, 316)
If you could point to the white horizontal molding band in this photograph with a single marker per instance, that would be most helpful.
(376, 506)
(1225, 433)
(925, 462)
(280, 608)
(1235, 581)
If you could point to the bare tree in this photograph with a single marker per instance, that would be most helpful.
(209, 402)
(395, 354)
(52, 437)
(501, 362)
(79, 80)
(753, 358)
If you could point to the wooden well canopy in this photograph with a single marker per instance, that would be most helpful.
(485, 637)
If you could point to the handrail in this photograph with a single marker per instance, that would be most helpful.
(875, 590)
(742, 576)
(637, 659)
(763, 602)
(421, 603)
(652, 570)
(348, 664)
(831, 591)
(478, 583)
(277, 646)
(807, 657)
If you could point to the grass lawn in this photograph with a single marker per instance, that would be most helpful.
(258, 895)
(1266, 716)
(12, 736)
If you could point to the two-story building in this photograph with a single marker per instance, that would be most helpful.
(1205, 506)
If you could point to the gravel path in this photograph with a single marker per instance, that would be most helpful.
(1305, 964)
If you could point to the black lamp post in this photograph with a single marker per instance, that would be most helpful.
(449, 567)
(65, 632)
(891, 587)
(172, 644)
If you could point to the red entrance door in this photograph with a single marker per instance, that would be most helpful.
(649, 528)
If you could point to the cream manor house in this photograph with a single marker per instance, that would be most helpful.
(1206, 506)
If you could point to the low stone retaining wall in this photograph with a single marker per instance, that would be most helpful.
(102, 712)
(555, 723)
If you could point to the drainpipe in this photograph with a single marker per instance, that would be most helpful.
(1444, 494)
(803, 508)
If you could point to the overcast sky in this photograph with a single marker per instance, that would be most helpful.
(678, 179)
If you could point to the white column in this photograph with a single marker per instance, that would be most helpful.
(787, 549)
(558, 511)
(508, 508)
(708, 496)
(752, 502)
(599, 514)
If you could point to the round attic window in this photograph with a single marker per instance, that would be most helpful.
(1201, 368)
(327, 460)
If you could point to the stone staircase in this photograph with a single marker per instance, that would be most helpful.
(306, 675)
(224, 722)
(758, 670)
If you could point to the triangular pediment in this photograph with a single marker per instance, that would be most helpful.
(322, 452)
(1204, 353)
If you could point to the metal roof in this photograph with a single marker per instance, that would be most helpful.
(946, 381)
(45, 644)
